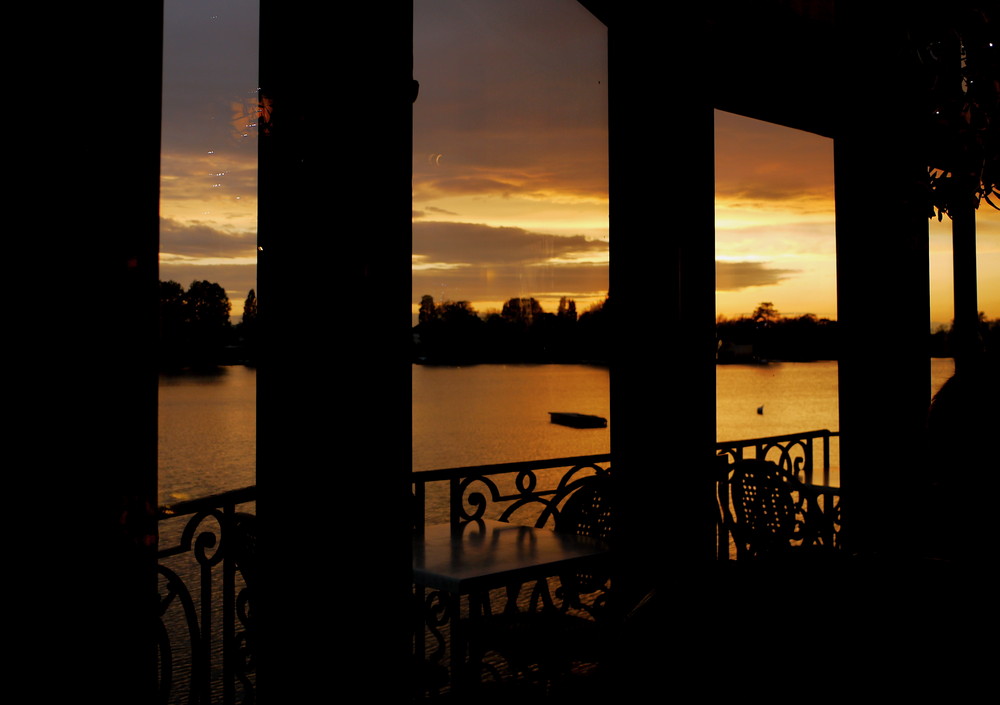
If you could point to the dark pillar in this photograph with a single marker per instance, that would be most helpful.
(882, 285)
(662, 292)
(80, 344)
(662, 299)
(334, 380)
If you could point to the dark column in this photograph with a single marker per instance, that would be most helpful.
(882, 287)
(662, 299)
(333, 380)
(662, 292)
(80, 342)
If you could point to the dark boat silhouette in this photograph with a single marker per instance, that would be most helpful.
(577, 420)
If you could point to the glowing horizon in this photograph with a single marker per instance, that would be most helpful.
(510, 170)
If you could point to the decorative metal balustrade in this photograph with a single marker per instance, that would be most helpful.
(794, 452)
(207, 563)
(528, 492)
(206, 569)
(812, 522)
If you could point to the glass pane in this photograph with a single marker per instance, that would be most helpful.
(208, 225)
(776, 293)
(510, 229)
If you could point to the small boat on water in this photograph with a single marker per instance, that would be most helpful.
(578, 420)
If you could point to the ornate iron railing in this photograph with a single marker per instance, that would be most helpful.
(206, 551)
(794, 452)
(525, 492)
(206, 563)
(815, 507)
(500, 491)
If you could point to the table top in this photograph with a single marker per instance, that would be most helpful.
(487, 554)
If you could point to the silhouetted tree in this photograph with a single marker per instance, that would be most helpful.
(766, 335)
(449, 333)
(207, 308)
(250, 308)
(194, 324)
(247, 327)
(172, 314)
(207, 305)
(567, 308)
(765, 314)
(458, 313)
(594, 332)
(173, 328)
(208, 311)
(957, 57)
(521, 310)
(428, 312)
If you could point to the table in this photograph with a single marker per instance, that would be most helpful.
(485, 554)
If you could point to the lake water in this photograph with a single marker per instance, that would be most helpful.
(479, 414)
(499, 413)
(207, 433)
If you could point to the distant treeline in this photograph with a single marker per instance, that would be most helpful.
(195, 330)
(453, 332)
(941, 344)
(767, 335)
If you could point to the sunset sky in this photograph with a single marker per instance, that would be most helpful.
(510, 176)
(509, 168)
(208, 170)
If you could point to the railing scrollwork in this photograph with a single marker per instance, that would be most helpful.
(206, 563)
(794, 453)
(815, 507)
(541, 494)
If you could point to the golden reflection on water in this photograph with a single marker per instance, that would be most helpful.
(499, 413)
(484, 414)
(207, 433)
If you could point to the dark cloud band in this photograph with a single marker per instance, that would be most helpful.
(488, 246)
(204, 240)
(736, 276)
